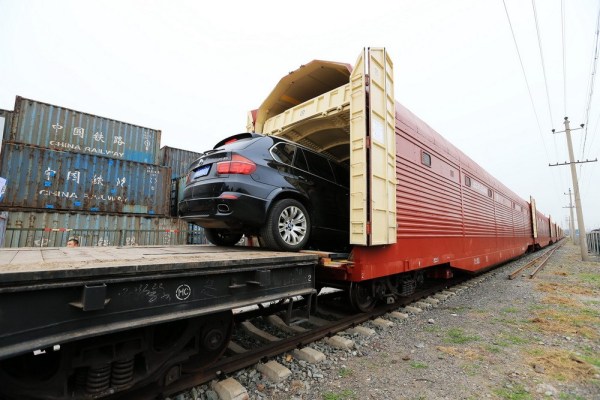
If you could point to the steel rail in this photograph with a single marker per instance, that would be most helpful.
(547, 253)
(231, 364)
(543, 263)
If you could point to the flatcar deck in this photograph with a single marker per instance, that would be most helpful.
(55, 295)
(54, 263)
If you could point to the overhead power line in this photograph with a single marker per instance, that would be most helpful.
(591, 89)
(564, 51)
(537, 28)
(525, 76)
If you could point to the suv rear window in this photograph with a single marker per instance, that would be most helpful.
(284, 152)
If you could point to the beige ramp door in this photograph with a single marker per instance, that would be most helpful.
(533, 217)
(372, 150)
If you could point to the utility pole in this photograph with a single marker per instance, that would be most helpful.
(571, 220)
(572, 162)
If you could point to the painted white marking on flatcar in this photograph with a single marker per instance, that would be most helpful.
(183, 292)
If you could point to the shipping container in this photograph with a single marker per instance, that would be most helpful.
(3, 221)
(39, 178)
(58, 128)
(5, 122)
(53, 229)
(177, 159)
(177, 191)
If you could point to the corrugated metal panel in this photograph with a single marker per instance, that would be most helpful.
(60, 128)
(5, 122)
(46, 179)
(358, 154)
(3, 222)
(177, 191)
(178, 160)
(428, 198)
(382, 148)
(52, 229)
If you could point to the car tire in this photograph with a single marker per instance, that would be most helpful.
(287, 227)
(222, 237)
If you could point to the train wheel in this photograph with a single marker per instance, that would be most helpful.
(362, 296)
(214, 338)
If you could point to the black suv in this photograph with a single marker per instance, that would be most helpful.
(255, 185)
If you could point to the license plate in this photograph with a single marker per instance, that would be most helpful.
(202, 171)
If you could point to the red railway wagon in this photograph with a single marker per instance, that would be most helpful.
(542, 232)
(450, 212)
(418, 204)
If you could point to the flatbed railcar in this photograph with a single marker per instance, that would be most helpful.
(91, 321)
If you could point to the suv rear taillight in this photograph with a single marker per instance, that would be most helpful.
(237, 165)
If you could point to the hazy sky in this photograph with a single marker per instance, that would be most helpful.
(193, 69)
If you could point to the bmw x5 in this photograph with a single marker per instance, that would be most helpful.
(287, 195)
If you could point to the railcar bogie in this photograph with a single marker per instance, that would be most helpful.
(100, 366)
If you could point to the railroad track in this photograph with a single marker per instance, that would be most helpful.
(541, 260)
(269, 331)
(262, 333)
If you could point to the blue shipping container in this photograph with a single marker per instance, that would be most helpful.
(3, 221)
(60, 128)
(53, 229)
(39, 178)
(178, 160)
(5, 122)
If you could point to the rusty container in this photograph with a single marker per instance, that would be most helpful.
(178, 160)
(53, 229)
(44, 179)
(59, 128)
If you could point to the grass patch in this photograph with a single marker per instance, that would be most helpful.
(552, 287)
(493, 348)
(468, 354)
(343, 395)
(509, 310)
(344, 372)
(591, 278)
(458, 336)
(589, 356)
(517, 392)
(562, 365)
(567, 322)
(432, 329)
(568, 396)
(418, 365)
(471, 369)
(561, 300)
(504, 339)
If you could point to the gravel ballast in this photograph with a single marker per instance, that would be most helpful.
(496, 338)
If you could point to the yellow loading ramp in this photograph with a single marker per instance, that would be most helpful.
(354, 123)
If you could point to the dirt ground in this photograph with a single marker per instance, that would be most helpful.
(500, 339)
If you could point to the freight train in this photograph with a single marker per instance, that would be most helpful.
(418, 205)
(91, 322)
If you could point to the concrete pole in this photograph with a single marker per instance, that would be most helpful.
(580, 224)
(572, 220)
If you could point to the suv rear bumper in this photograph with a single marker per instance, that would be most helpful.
(238, 213)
